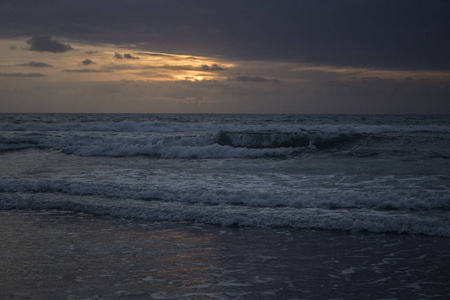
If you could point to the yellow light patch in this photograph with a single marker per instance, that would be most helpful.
(108, 63)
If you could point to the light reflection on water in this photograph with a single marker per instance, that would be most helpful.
(82, 256)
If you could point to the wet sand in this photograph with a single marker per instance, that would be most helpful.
(62, 255)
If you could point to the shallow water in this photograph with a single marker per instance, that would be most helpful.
(62, 255)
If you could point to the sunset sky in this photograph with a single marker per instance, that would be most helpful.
(225, 56)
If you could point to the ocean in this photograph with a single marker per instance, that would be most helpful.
(370, 177)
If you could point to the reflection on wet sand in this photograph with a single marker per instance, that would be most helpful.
(79, 256)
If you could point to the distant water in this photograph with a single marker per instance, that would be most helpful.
(340, 172)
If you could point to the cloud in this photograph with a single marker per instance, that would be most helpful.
(213, 67)
(72, 28)
(370, 78)
(205, 68)
(340, 33)
(129, 56)
(22, 75)
(35, 64)
(87, 61)
(125, 56)
(249, 79)
(84, 71)
(45, 43)
(157, 54)
(229, 97)
(173, 56)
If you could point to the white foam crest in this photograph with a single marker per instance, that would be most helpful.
(349, 220)
(186, 145)
(374, 129)
(191, 140)
(166, 127)
(331, 198)
(217, 151)
(263, 139)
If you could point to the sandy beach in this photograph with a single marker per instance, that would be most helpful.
(62, 255)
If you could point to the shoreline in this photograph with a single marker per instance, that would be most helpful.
(63, 255)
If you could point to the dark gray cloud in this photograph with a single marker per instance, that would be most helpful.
(244, 78)
(156, 54)
(400, 34)
(87, 61)
(213, 67)
(84, 71)
(73, 28)
(22, 75)
(175, 57)
(248, 78)
(371, 78)
(129, 56)
(204, 68)
(35, 64)
(44, 43)
(125, 56)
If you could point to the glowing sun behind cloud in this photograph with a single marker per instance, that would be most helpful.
(108, 63)
(57, 75)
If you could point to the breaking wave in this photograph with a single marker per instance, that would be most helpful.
(373, 175)
(166, 127)
(230, 215)
(414, 200)
(194, 140)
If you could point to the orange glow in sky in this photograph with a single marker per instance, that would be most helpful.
(106, 63)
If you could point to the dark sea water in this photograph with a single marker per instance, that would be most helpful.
(344, 172)
(193, 206)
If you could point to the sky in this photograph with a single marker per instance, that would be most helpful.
(225, 56)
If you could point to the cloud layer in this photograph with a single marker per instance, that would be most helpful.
(34, 64)
(22, 75)
(83, 71)
(380, 34)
